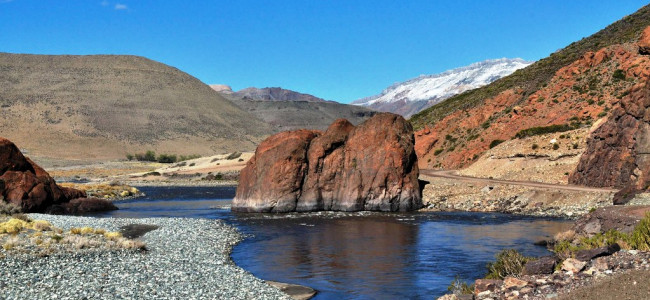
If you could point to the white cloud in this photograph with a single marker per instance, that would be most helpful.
(120, 6)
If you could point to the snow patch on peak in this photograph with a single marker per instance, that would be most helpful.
(438, 87)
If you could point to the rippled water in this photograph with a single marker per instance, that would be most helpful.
(355, 255)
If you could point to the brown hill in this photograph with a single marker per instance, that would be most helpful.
(554, 94)
(103, 106)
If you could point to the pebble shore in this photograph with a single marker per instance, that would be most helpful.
(187, 259)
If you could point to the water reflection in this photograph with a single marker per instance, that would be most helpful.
(361, 255)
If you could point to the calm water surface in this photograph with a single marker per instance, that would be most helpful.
(355, 255)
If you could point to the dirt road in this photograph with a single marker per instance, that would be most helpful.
(451, 174)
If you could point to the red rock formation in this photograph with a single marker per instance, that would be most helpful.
(618, 152)
(27, 186)
(644, 42)
(369, 167)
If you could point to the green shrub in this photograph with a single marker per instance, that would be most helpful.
(485, 125)
(618, 75)
(508, 262)
(602, 114)
(556, 146)
(166, 158)
(148, 156)
(129, 156)
(495, 143)
(535, 146)
(438, 151)
(543, 130)
(590, 101)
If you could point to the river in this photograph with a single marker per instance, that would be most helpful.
(355, 255)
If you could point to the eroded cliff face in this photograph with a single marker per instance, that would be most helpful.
(618, 152)
(369, 167)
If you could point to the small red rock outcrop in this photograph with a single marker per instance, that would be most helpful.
(644, 42)
(30, 188)
(618, 152)
(369, 167)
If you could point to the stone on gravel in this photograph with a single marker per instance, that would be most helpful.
(511, 282)
(489, 285)
(587, 255)
(295, 291)
(133, 231)
(573, 265)
(542, 265)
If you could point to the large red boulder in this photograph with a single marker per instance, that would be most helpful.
(618, 152)
(369, 167)
(30, 188)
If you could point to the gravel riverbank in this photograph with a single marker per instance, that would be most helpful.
(187, 259)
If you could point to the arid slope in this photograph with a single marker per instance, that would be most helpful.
(103, 106)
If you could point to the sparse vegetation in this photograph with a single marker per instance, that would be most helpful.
(20, 234)
(638, 239)
(533, 131)
(150, 156)
(556, 146)
(438, 151)
(535, 146)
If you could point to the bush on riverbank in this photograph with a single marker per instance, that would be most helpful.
(459, 287)
(638, 239)
(508, 262)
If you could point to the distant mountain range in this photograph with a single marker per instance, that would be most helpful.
(266, 94)
(412, 96)
(289, 110)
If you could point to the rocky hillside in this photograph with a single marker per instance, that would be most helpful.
(288, 110)
(412, 96)
(103, 106)
(573, 88)
(274, 94)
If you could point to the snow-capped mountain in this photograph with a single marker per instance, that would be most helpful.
(412, 96)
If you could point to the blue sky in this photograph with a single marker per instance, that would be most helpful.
(337, 50)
